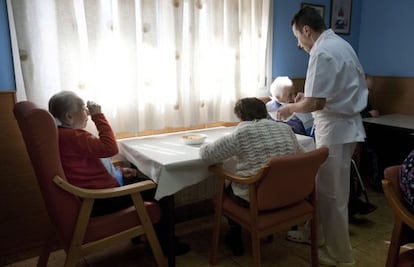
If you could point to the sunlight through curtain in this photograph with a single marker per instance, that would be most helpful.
(151, 63)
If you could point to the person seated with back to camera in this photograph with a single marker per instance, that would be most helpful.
(253, 142)
(282, 91)
(86, 158)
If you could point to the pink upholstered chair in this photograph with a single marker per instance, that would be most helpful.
(282, 194)
(403, 219)
(69, 207)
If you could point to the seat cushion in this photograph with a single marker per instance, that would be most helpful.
(107, 225)
(268, 219)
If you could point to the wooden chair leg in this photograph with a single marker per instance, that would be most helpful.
(149, 230)
(216, 235)
(314, 242)
(255, 248)
(217, 220)
(394, 249)
(45, 251)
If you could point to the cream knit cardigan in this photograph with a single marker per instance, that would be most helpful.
(251, 144)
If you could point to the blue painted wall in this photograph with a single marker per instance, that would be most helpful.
(6, 67)
(386, 43)
(287, 58)
(381, 34)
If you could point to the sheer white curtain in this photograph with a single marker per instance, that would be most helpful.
(149, 63)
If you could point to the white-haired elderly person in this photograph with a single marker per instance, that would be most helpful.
(282, 91)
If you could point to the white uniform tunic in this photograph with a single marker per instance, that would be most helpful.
(335, 73)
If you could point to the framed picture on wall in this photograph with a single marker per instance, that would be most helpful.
(319, 8)
(341, 16)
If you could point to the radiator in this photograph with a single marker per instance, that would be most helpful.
(196, 193)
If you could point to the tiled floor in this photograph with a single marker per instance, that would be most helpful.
(370, 237)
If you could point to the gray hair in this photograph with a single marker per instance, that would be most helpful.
(63, 103)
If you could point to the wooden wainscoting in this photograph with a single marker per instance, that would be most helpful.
(299, 84)
(23, 221)
(391, 95)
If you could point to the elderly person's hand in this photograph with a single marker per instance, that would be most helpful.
(129, 173)
(93, 108)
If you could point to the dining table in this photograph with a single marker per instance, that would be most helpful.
(396, 120)
(174, 165)
(392, 135)
(390, 138)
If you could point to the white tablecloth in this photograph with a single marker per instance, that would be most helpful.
(172, 164)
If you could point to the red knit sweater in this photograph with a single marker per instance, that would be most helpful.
(80, 153)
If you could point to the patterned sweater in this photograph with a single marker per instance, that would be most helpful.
(407, 180)
(251, 144)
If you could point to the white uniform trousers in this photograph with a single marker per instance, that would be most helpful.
(332, 187)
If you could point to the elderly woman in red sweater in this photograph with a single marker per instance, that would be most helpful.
(86, 158)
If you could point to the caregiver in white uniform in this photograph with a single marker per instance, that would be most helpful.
(335, 92)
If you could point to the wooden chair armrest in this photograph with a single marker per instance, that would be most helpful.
(396, 205)
(392, 171)
(104, 193)
(220, 171)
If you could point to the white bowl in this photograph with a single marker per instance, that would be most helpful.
(194, 139)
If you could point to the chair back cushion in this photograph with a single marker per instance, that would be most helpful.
(289, 179)
(40, 135)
